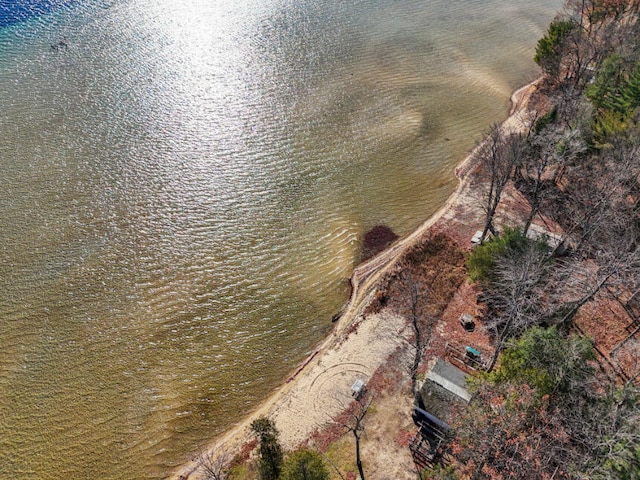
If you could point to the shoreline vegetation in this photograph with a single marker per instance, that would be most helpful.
(318, 391)
(540, 244)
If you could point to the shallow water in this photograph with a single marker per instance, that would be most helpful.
(185, 186)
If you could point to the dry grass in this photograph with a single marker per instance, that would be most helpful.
(436, 265)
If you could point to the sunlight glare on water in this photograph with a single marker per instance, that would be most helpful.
(185, 188)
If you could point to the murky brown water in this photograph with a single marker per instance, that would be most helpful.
(184, 192)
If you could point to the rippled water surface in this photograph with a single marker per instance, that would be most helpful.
(184, 187)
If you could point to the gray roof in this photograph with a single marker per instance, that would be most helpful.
(450, 378)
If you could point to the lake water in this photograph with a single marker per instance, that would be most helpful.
(184, 188)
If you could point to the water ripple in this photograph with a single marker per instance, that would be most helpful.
(185, 189)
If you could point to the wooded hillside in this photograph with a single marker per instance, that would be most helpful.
(559, 401)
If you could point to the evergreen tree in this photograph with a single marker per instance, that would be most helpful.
(270, 450)
(549, 48)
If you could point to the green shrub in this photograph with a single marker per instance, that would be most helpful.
(606, 124)
(481, 261)
(545, 120)
(440, 472)
(544, 359)
(304, 465)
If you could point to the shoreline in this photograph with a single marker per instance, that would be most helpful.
(371, 270)
(300, 389)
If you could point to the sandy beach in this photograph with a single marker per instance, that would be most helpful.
(319, 390)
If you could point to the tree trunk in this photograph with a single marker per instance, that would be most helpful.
(415, 321)
(567, 320)
(488, 224)
(499, 344)
(494, 359)
(358, 460)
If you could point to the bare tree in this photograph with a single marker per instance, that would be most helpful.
(595, 34)
(533, 179)
(606, 25)
(605, 430)
(420, 288)
(499, 154)
(419, 344)
(546, 414)
(514, 295)
(355, 423)
(421, 325)
(505, 432)
(600, 200)
(214, 463)
(542, 168)
(600, 213)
